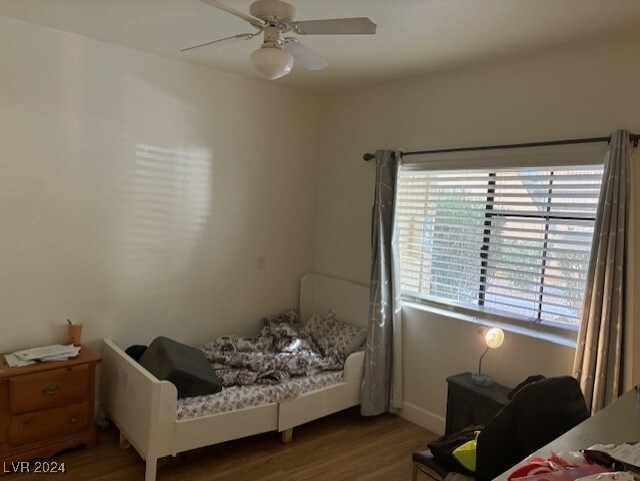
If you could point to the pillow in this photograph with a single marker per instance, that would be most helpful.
(334, 338)
(289, 317)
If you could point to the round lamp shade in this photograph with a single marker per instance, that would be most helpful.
(494, 337)
(272, 62)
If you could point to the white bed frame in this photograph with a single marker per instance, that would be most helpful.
(144, 408)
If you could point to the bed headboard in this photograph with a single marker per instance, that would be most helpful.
(350, 301)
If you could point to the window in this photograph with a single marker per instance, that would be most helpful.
(509, 242)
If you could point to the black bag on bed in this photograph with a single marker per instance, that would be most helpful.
(136, 351)
(184, 366)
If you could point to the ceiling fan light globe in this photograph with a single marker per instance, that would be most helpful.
(272, 62)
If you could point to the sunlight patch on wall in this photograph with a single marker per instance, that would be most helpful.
(169, 207)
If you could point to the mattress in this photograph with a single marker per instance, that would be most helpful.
(241, 397)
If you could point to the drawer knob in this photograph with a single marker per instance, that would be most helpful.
(52, 388)
(74, 420)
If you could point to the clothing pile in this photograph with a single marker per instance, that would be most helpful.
(587, 465)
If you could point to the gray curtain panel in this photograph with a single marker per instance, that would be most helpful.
(379, 388)
(599, 357)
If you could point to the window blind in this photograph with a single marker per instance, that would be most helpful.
(514, 242)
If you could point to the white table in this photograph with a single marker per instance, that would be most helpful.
(616, 424)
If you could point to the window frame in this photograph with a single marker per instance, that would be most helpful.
(578, 156)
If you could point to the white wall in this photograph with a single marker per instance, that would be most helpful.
(137, 192)
(580, 90)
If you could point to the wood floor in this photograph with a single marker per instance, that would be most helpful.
(344, 446)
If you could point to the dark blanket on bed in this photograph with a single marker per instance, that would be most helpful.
(280, 351)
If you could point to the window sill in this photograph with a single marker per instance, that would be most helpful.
(525, 330)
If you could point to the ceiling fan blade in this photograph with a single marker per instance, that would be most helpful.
(222, 42)
(244, 16)
(307, 57)
(332, 26)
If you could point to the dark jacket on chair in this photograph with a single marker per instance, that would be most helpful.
(538, 413)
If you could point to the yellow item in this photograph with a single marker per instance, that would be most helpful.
(466, 454)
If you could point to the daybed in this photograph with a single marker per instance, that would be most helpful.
(145, 409)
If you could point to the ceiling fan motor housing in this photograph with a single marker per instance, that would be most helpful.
(276, 13)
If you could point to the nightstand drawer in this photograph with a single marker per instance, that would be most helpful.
(49, 389)
(48, 424)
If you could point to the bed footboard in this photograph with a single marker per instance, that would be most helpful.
(329, 400)
(142, 407)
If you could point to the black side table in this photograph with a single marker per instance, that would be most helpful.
(468, 403)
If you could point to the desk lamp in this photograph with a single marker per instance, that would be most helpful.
(493, 338)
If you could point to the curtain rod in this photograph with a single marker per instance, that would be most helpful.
(634, 138)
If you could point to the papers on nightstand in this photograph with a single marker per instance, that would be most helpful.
(55, 352)
(14, 361)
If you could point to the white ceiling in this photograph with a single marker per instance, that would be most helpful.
(414, 36)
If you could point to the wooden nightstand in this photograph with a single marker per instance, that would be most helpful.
(47, 407)
(468, 403)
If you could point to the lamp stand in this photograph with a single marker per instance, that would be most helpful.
(479, 378)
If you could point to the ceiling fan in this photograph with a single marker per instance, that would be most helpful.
(274, 59)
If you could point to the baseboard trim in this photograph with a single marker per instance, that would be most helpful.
(423, 418)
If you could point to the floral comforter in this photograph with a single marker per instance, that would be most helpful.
(241, 397)
(281, 351)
